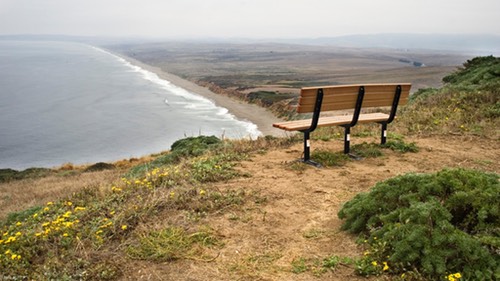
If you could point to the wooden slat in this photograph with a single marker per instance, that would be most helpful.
(344, 97)
(330, 121)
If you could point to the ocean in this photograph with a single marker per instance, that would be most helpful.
(66, 102)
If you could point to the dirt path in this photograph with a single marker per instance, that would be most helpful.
(299, 216)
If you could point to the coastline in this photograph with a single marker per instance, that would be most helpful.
(253, 113)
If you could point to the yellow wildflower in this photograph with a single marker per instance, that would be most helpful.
(50, 203)
(65, 234)
(18, 233)
(386, 267)
(202, 192)
(374, 263)
(124, 227)
(69, 203)
(19, 223)
(454, 276)
(79, 209)
(10, 239)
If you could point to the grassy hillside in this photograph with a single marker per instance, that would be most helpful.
(180, 205)
(469, 103)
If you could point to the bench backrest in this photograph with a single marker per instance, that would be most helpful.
(345, 96)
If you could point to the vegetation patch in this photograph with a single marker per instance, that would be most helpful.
(101, 166)
(170, 244)
(10, 174)
(319, 266)
(329, 158)
(401, 146)
(430, 225)
(367, 150)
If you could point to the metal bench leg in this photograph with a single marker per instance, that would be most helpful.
(347, 144)
(383, 136)
(347, 139)
(307, 151)
(307, 147)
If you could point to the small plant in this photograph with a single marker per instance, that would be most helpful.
(329, 159)
(299, 265)
(432, 224)
(318, 266)
(400, 146)
(367, 150)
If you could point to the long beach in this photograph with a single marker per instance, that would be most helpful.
(240, 109)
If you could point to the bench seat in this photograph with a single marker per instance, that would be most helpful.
(299, 125)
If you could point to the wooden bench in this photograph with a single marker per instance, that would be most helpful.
(317, 100)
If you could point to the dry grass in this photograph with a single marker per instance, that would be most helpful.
(23, 194)
(66, 180)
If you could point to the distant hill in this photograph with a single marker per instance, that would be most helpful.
(471, 44)
(476, 44)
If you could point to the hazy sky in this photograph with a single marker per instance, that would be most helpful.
(247, 18)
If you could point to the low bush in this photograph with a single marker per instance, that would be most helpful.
(430, 225)
(10, 174)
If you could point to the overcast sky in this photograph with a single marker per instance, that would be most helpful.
(247, 18)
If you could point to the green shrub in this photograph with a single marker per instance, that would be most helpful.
(479, 70)
(433, 224)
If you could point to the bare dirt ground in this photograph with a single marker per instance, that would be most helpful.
(299, 216)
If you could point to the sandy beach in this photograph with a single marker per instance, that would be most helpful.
(240, 109)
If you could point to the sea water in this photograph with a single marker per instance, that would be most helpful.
(66, 102)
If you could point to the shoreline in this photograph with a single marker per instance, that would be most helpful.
(241, 110)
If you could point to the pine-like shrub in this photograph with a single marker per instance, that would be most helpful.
(431, 224)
